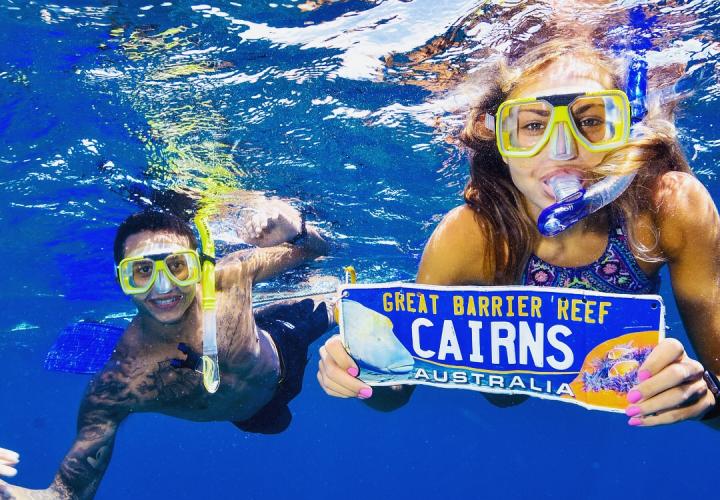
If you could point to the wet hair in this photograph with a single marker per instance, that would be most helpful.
(150, 220)
(500, 207)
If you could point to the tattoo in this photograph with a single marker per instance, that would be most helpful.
(96, 461)
(107, 402)
(81, 471)
(169, 386)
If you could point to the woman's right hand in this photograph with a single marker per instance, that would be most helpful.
(338, 372)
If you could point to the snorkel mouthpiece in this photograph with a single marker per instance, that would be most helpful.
(574, 207)
(566, 187)
(210, 363)
(568, 208)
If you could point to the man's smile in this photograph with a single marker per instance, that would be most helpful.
(166, 302)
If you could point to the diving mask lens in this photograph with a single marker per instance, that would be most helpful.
(599, 121)
(523, 126)
(138, 274)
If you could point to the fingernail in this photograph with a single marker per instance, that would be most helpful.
(631, 411)
(353, 371)
(635, 421)
(643, 375)
(634, 396)
(365, 393)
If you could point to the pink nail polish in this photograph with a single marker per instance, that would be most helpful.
(365, 393)
(643, 375)
(634, 396)
(353, 371)
(631, 411)
(635, 421)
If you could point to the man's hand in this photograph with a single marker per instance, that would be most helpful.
(273, 223)
(8, 460)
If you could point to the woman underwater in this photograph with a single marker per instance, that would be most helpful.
(547, 129)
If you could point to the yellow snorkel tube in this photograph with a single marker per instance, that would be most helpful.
(210, 365)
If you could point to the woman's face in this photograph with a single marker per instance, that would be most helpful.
(531, 175)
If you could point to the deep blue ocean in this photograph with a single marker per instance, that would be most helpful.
(348, 110)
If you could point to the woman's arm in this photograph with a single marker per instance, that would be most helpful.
(689, 227)
(451, 257)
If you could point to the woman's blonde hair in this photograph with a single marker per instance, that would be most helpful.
(499, 205)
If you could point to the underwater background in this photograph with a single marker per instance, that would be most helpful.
(349, 109)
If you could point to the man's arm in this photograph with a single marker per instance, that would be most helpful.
(101, 411)
(272, 230)
(104, 406)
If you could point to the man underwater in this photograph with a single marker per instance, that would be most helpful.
(262, 355)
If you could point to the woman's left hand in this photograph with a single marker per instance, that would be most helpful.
(671, 388)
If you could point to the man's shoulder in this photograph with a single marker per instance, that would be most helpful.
(232, 270)
(115, 387)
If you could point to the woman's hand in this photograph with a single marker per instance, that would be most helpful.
(337, 372)
(671, 388)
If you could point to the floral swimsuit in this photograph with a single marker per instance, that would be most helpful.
(616, 271)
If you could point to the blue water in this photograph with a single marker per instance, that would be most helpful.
(104, 104)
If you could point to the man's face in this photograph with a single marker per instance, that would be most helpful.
(165, 301)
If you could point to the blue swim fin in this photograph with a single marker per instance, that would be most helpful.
(83, 347)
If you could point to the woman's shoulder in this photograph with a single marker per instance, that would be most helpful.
(679, 196)
(456, 249)
(677, 187)
(460, 218)
(459, 227)
(684, 209)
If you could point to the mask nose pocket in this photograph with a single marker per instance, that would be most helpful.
(162, 283)
(562, 143)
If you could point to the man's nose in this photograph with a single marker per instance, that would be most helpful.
(562, 143)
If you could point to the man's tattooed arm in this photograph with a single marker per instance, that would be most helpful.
(107, 402)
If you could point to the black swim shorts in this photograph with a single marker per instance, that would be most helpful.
(293, 326)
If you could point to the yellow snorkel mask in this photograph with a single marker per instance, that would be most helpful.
(137, 275)
(210, 364)
(598, 121)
